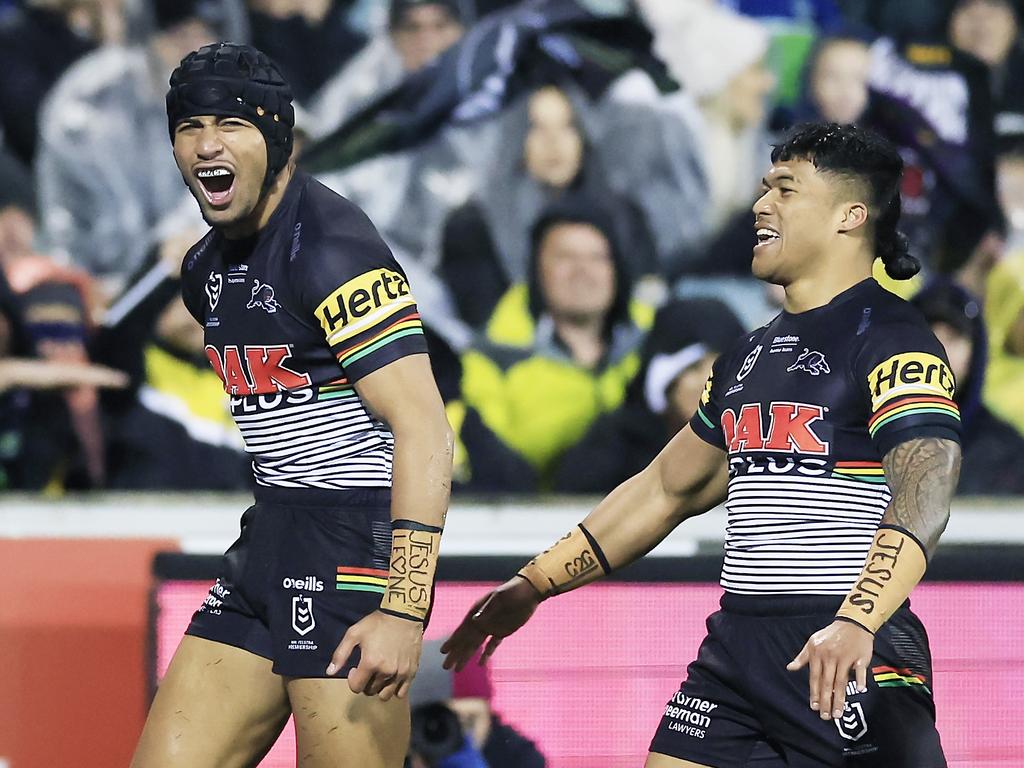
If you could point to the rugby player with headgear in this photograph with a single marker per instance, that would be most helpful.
(312, 326)
(832, 435)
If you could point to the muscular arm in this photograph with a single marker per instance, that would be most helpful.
(922, 474)
(686, 479)
(403, 395)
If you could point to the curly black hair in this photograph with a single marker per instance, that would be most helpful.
(851, 152)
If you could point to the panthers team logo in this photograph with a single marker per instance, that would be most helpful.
(811, 361)
(263, 297)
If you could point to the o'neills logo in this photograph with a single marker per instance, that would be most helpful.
(910, 373)
(373, 295)
(306, 584)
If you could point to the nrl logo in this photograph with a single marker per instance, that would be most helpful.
(214, 284)
(811, 361)
(302, 615)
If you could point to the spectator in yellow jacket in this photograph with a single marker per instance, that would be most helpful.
(582, 353)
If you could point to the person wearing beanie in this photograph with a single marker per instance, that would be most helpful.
(469, 693)
(832, 436)
(311, 326)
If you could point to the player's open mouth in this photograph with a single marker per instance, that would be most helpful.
(766, 235)
(218, 185)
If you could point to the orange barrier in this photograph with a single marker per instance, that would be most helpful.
(73, 624)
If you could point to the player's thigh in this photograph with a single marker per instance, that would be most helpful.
(336, 728)
(654, 760)
(218, 707)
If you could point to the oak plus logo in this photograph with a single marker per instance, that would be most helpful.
(789, 430)
(256, 369)
(303, 620)
(214, 286)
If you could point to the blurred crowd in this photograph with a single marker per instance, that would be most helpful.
(566, 182)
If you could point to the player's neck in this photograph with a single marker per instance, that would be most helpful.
(816, 290)
(261, 214)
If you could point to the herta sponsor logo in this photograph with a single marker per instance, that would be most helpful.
(689, 714)
(910, 373)
(789, 429)
(256, 370)
(306, 583)
(362, 297)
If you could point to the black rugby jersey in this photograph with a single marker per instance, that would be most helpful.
(294, 316)
(806, 408)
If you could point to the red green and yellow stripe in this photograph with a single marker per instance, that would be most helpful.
(407, 326)
(912, 406)
(337, 388)
(891, 677)
(361, 579)
(864, 471)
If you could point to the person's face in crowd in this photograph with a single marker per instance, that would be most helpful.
(554, 146)
(839, 82)
(985, 28)
(423, 33)
(797, 219)
(746, 96)
(1010, 186)
(684, 393)
(475, 718)
(576, 271)
(959, 349)
(175, 43)
(223, 161)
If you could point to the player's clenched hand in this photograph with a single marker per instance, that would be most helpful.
(389, 655)
(496, 616)
(830, 654)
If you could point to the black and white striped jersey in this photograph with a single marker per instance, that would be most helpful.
(806, 407)
(294, 316)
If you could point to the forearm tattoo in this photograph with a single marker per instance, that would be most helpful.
(922, 475)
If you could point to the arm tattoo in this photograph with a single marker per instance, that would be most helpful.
(922, 474)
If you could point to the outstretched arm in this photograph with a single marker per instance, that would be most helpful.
(687, 478)
(922, 474)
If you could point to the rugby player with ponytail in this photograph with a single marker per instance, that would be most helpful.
(832, 436)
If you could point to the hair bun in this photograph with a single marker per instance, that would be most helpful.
(895, 255)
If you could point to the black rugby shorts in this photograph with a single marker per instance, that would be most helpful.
(307, 565)
(739, 707)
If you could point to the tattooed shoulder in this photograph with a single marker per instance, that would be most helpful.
(922, 474)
